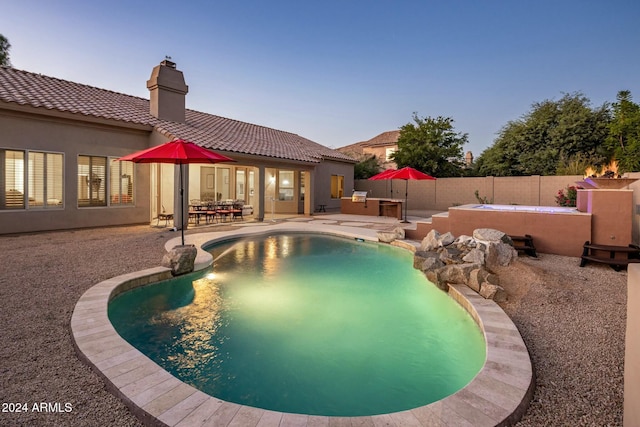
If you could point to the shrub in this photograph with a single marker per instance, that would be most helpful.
(567, 197)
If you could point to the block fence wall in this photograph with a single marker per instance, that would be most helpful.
(443, 193)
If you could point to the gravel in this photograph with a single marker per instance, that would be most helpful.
(572, 320)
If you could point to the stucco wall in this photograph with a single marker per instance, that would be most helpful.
(322, 186)
(74, 138)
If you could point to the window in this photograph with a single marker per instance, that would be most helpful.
(92, 172)
(36, 183)
(285, 185)
(302, 186)
(12, 180)
(45, 180)
(388, 153)
(121, 182)
(337, 186)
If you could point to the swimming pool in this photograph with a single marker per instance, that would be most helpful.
(316, 325)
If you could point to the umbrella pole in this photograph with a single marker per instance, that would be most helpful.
(406, 195)
(181, 206)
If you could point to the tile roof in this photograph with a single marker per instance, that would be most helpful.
(384, 139)
(215, 132)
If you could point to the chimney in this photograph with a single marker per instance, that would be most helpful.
(168, 91)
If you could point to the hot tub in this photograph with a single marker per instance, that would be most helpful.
(555, 229)
(525, 208)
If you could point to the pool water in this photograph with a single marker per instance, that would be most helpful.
(311, 324)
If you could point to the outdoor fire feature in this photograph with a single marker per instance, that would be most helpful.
(607, 179)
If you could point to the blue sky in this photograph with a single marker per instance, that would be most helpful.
(339, 72)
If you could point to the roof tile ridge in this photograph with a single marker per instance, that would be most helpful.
(58, 79)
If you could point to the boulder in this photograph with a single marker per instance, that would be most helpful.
(475, 256)
(491, 235)
(180, 259)
(456, 273)
(493, 292)
(450, 255)
(419, 257)
(466, 260)
(387, 236)
(430, 241)
(476, 277)
(431, 263)
(465, 240)
(446, 239)
(399, 232)
(499, 254)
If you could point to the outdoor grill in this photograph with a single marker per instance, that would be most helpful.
(359, 197)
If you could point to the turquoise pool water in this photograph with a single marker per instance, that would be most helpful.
(309, 324)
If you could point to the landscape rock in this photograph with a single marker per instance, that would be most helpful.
(471, 260)
(430, 241)
(180, 259)
(431, 263)
(494, 292)
(499, 254)
(465, 240)
(450, 255)
(476, 277)
(388, 236)
(456, 273)
(400, 233)
(491, 235)
(446, 239)
(475, 256)
(419, 257)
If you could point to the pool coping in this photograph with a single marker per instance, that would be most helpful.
(497, 396)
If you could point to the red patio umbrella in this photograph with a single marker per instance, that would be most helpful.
(383, 176)
(178, 152)
(406, 174)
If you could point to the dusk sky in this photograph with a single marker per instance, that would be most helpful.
(340, 72)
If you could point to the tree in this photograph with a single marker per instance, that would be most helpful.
(432, 146)
(548, 138)
(4, 51)
(624, 132)
(367, 167)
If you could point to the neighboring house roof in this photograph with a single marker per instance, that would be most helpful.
(385, 138)
(389, 138)
(214, 132)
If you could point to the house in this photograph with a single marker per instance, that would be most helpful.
(382, 146)
(60, 141)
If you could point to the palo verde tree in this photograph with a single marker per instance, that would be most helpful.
(4, 51)
(549, 137)
(432, 146)
(624, 132)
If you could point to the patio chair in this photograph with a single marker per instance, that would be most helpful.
(236, 211)
(166, 217)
